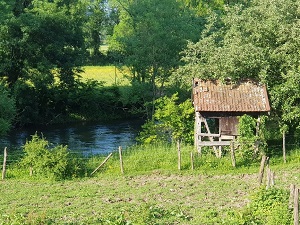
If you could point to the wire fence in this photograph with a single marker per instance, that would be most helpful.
(273, 146)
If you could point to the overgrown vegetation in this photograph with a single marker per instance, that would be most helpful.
(54, 162)
(152, 190)
(172, 121)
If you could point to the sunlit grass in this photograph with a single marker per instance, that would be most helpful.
(110, 75)
(151, 191)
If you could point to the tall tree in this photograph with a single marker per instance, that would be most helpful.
(97, 27)
(41, 46)
(150, 35)
(149, 38)
(41, 36)
(259, 42)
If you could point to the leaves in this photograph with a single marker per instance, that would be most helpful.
(44, 160)
(150, 35)
(258, 42)
(7, 110)
(171, 120)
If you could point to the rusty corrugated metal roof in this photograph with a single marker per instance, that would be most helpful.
(214, 96)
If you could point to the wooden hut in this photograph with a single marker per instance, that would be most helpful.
(218, 105)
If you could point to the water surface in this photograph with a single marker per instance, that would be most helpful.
(86, 138)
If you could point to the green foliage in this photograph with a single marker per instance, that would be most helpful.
(172, 121)
(19, 219)
(49, 162)
(266, 207)
(269, 207)
(7, 110)
(41, 38)
(150, 36)
(203, 7)
(159, 215)
(251, 141)
(252, 42)
(247, 137)
(136, 97)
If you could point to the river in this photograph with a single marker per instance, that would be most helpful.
(85, 138)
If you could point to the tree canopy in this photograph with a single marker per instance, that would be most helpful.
(150, 35)
(257, 42)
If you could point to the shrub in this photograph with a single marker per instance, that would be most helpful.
(172, 121)
(269, 207)
(55, 162)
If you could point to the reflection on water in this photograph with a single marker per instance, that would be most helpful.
(86, 138)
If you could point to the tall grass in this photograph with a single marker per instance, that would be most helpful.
(163, 158)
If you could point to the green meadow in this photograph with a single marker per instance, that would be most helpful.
(109, 75)
(152, 191)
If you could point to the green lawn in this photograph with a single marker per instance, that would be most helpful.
(108, 74)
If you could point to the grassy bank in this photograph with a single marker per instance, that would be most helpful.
(151, 191)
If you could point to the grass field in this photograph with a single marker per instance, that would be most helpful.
(213, 193)
(110, 75)
(155, 198)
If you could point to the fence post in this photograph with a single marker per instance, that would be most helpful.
(268, 178)
(262, 168)
(283, 147)
(179, 155)
(192, 161)
(121, 160)
(4, 164)
(30, 171)
(291, 199)
(296, 206)
(233, 161)
(272, 178)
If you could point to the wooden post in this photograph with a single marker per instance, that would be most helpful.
(196, 135)
(179, 154)
(291, 199)
(261, 169)
(121, 160)
(268, 178)
(272, 178)
(192, 161)
(30, 171)
(105, 160)
(283, 147)
(296, 206)
(198, 131)
(256, 150)
(4, 164)
(233, 161)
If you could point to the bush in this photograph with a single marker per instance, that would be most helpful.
(269, 207)
(172, 121)
(55, 162)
